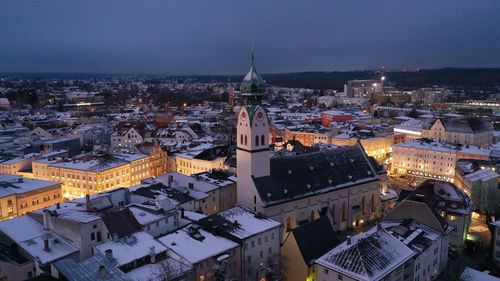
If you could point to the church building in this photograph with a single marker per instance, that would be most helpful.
(342, 183)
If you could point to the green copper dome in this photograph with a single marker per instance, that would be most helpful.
(253, 86)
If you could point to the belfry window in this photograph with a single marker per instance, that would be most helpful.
(256, 140)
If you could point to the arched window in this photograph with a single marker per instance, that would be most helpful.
(333, 213)
(344, 211)
(288, 224)
(262, 140)
(256, 140)
(373, 203)
(246, 140)
(312, 215)
(363, 205)
(241, 139)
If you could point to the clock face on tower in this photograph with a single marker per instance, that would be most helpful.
(260, 116)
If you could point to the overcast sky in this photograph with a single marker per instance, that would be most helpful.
(214, 37)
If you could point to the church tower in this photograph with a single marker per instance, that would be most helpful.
(252, 149)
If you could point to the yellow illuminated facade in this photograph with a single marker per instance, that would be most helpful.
(80, 178)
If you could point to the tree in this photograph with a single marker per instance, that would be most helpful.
(220, 270)
(413, 113)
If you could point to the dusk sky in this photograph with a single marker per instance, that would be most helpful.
(214, 37)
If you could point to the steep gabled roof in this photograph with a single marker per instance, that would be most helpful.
(315, 239)
(370, 256)
(298, 176)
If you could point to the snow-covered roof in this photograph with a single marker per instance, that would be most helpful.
(168, 268)
(195, 244)
(72, 211)
(143, 216)
(481, 175)
(128, 249)
(22, 228)
(58, 248)
(471, 149)
(370, 256)
(244, 222)
(471, 274)
(13, 184)
(428, 145)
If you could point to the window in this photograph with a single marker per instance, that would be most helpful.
(249, 258)
(340, 277)
(288, 224)
(259, 241)
(344, 211)
(245, 139)
(256, 140)
(92, 236)
(241, 139)
(262, 140)
(261, 254)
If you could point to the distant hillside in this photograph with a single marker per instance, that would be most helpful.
(462, 77)
(458, 77)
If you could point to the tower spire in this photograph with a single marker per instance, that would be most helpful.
(253, 57)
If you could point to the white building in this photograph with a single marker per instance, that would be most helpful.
(126, 139)
(425, 158)
(258, 237)
(396, 250)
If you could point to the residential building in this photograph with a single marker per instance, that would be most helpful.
(257, 236)
(440, 205)
(36, 243)
(425, 158)
(363, 88)
(208, 254)
(19, 195)
(303, 246)
(91, 174)
(334, 116)
(471, 131)
(495, 242)
(481, 185)
(373, 255)
(210, 159)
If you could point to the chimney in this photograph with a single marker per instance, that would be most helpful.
(46, 217)
(102, 272)
(46, 247)
(170, 179)
(349, 240)
(87, 203)
(109, 254)
(152, 254)
(191, 185)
